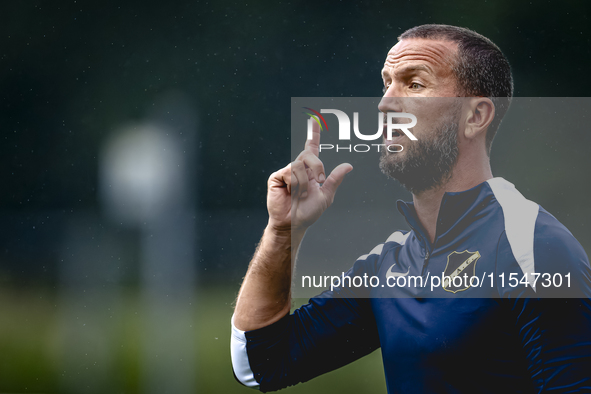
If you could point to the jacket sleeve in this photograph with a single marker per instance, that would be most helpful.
(553, 323)
(332, 330)
(556, 338)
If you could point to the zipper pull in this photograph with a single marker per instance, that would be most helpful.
(425, 263)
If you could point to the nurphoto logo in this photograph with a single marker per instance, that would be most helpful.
(388, 130)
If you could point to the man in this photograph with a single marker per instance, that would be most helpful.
(461, 338)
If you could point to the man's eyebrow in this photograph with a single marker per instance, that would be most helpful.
(416, 67)
(408, 69)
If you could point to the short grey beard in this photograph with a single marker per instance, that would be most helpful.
(428, 163)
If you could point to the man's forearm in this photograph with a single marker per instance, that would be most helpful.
(265, 295)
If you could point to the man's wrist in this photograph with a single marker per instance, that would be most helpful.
(283, 234)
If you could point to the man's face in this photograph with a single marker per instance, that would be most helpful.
(417, 71)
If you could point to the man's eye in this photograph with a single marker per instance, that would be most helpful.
(415, 86)
(385, 89)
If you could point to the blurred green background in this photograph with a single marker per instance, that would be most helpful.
(120, 277)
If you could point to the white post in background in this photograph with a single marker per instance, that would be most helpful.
(145, 182)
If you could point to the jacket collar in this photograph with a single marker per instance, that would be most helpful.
(454, 213)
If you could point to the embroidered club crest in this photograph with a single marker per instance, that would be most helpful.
(458, 264)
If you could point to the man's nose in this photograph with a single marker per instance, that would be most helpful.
(390, 103)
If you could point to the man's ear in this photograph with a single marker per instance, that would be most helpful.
(481, 112)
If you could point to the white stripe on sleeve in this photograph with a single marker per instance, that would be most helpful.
(376, 250)
(520, 221)
(397, 237)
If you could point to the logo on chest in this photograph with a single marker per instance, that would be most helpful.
(461, 266)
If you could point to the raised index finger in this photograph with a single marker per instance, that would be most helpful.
(312, 144)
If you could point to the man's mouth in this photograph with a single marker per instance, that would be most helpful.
(397, 136)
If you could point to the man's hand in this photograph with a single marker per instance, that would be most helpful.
(299, 193)
(296, 197)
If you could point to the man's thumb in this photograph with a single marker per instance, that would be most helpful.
(335, 178)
